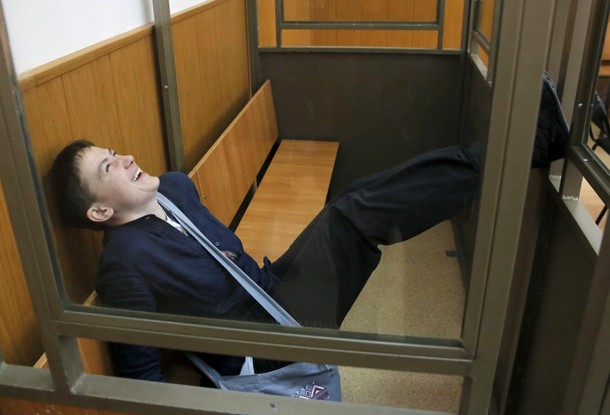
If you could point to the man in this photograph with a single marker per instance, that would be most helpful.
(150, 264)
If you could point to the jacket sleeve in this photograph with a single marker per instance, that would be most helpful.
(120, 288)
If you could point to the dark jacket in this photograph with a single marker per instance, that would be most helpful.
(149, 265)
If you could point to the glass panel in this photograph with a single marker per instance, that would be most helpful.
(19, 339)
(414, 39)
(360, 10)
(332, 11)
(403, 230)
(421, 285)
(592, 202)
(598, 138)
(485, 18)
(422, 391)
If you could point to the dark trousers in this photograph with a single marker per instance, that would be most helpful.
(325, 269)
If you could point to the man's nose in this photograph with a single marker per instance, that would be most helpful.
(127, 160)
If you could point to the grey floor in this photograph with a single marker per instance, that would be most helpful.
(417, 291)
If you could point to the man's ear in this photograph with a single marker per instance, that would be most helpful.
(97, 213)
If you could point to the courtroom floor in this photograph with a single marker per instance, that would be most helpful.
(588, 197)
(416, 290)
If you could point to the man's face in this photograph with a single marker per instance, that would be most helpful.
(117, 184)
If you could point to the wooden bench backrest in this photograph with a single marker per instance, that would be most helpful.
(227, 171)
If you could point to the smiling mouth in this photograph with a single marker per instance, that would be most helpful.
(137, 175)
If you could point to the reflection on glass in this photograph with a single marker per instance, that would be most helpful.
(590, 199)
(485, 18)
(360, 10)
(598, 138)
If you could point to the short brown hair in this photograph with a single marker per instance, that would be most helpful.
(72, 196)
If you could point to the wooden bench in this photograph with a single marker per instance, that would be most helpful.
(293, 190)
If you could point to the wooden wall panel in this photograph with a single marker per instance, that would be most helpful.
(363, 10)
(92, 103)
(22, 407)
(46, 111)
(266, 23)
(232, 69)
(375, 10)
(109, 93)
(19, 342)
(196, 98)
(138, 105)
(349, 10)
(295, 9)
(213, 84)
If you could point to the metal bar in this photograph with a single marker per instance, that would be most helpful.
(522, 45)
(572, 56)
(588, 378)
(581, 119)
(481, 40)
(144, 398)
(306, 49)
(253, 49)
(25, 200)
(169, 84)
(414, 354)
(559, 35)
(440, 18)
(493, 42)
(590, 168)
(466, 19)
(279, 20)
(320, 25)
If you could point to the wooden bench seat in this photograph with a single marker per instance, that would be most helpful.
(292, 192)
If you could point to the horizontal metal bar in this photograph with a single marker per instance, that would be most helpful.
(367, 50)
(592, 170)
(481, 40)
(274, 342)
(364, 25)
(141, 397)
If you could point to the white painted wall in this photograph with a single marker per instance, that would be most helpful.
(41, 31)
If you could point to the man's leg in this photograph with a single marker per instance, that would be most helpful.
(323, 272)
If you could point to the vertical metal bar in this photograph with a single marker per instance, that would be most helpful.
(590, 370)
(574, 47)
(169, 84)
(440, 19)
(255, 66)
(279, 20)
(466, 24)
(559, 35)
(522, 45)
(493, 42)
(585, 57)
(29, 218)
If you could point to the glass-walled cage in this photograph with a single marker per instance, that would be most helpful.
(164, 93)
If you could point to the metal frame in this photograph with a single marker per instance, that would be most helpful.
(169, 84)
(506, 172)
(587, 389)
(581, 156)
(478, 40)
(281, 23)
(516, 95)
